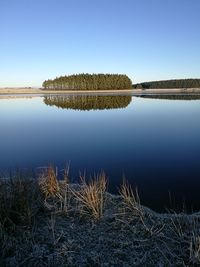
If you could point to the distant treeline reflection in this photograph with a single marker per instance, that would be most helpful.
(174, 97)
(88, 102)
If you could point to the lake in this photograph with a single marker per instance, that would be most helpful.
(153, 141)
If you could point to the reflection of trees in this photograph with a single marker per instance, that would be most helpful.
(173, 97)
(86, 102)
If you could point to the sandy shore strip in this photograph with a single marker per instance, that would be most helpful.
(35, 91)
(11, 91)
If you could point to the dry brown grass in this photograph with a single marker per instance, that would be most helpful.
(50, 188)
(130, 197)
(132, 209)
(91, 196)
(49, 183)
(56, 193)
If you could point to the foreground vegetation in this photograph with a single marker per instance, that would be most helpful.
(46, 222)
(89, 82)
(181, 83)
(87, 102)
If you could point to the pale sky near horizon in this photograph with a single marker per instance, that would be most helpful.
(146, 39)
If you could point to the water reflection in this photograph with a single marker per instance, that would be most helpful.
(174, 97)
(153, 143)
(88, 102)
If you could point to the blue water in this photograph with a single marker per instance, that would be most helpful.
(155, 143)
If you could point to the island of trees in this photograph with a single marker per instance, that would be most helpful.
(181, 83)
(89, 82)
(88, 102)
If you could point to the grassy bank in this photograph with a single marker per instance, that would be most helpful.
(46, 222)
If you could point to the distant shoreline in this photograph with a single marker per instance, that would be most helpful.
(33, 91)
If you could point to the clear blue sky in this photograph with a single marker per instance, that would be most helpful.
(146, 39)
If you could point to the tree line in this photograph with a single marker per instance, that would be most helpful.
(180, 83)
(89, 82)
(87, 102)
(173, 97)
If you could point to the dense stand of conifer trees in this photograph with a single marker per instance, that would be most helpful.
(87, 102)
(89, 82)
(181, 83)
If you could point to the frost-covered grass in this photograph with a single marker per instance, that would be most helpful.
(47, 222)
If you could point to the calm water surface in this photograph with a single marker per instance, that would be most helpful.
(155, 143)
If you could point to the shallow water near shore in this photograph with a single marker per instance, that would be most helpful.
(153, 142)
